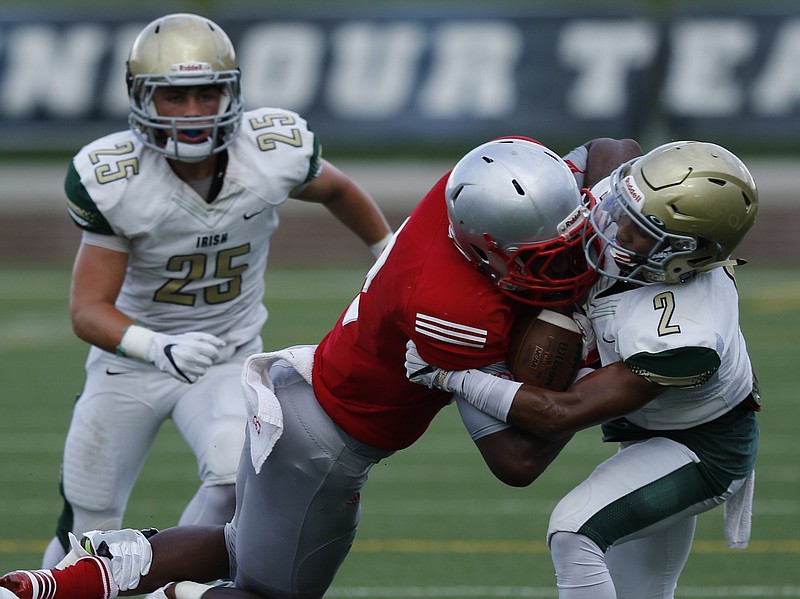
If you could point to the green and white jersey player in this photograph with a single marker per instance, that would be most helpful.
(168, 283)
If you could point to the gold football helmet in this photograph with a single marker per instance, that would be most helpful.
(183, 50)
(696, 200)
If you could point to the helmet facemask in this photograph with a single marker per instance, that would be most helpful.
(160, 133)
(549, 273)
(643, 267)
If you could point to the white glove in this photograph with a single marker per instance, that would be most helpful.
(129, 550)
(420, 372)
(75, 553)
(589, 336)
(186, 356)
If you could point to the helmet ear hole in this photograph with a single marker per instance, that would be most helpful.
(480, 253)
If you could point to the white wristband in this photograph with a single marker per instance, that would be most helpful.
(135, 343)
(377, 247)
(186, 589)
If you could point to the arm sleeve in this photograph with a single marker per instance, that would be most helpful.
(478, 424)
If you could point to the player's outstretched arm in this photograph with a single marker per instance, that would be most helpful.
(606, 393)
(350, 204)
(194, 552)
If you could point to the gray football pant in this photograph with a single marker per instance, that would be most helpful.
(296, 520)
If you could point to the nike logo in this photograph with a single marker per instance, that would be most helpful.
(424, 370)
(168, 353)
(609, 341)
(116, 372)
(249, 216)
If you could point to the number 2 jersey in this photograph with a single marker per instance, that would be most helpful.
(194, 265)
(685, 337)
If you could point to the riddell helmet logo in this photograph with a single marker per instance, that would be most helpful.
(573, 218)
(633, 191)
(191, 67)
(573, 222)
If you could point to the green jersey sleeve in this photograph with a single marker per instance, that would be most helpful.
(679, 367)
(81, 207)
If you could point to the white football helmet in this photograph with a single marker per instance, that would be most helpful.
(183, 50)
(516, 213)
(696, 200)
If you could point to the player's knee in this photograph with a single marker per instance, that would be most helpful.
(220, 460)
(571, 545)
(579, 563)
(92, 484)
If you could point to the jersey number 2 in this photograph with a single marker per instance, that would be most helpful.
(666, 301)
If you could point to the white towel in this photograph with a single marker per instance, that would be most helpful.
(264, 415)
(739, 514)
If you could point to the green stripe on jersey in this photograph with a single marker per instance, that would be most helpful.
(81, 206)
(681, 367)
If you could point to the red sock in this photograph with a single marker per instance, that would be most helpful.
(88, 578)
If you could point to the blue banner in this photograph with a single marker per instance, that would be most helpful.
(395, 82)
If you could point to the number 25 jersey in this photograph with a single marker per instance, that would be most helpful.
(194, 265)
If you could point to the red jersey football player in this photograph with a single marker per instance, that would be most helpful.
(502, 228)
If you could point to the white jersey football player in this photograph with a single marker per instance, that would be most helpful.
(676, 388)
(168, 284)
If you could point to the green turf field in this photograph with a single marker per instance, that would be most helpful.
(436, 524)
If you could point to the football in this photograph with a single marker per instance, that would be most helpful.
(544, 348)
